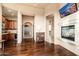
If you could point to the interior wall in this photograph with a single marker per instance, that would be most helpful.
(71, 20)
(19, 27)
(39, 24)
(0, 24)
(68, 20)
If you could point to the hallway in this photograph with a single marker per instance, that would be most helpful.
(30, 48)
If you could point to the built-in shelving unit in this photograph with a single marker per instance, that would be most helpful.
(8, 26)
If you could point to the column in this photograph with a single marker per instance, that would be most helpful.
(19, 27)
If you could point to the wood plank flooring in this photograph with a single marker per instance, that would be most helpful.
(30, 48)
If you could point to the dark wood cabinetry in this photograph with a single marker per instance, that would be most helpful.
(12, 24)
(7, 29)
(5, 23)
(8, 24)
(4, 37)
(7, 37)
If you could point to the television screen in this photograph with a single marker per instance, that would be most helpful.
(68, 32)
(68, 9)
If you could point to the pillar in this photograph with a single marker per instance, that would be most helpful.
(19, 27)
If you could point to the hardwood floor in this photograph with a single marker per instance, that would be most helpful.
(30, 48)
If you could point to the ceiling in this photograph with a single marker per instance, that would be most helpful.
(39, 5)
(7, 12)
(12, 13)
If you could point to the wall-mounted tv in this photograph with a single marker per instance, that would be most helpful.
(68, 32)
(68, 9)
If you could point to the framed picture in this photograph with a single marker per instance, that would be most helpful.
(68, 9)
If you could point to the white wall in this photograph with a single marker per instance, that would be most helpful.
(48, 39)
(0, 24)
(27, 19)
(39, 24)
(69, 20)
(19, 27)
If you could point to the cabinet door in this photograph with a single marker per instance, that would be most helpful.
(4, 37)
(6, 24)
(12, 25)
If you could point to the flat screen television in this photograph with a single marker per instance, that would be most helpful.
(68, 32)
(68, 9)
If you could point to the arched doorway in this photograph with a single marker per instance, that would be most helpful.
(27, 30)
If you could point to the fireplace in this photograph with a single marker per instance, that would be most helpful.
(68, 32)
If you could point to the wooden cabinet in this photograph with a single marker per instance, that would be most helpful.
(8, 24)
(11, 36)
(12, 24)
(40, 36)
(7, 37)
(5, 23)
(4, 37)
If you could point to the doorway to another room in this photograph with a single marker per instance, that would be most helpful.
(50, 28)
(27, 28)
